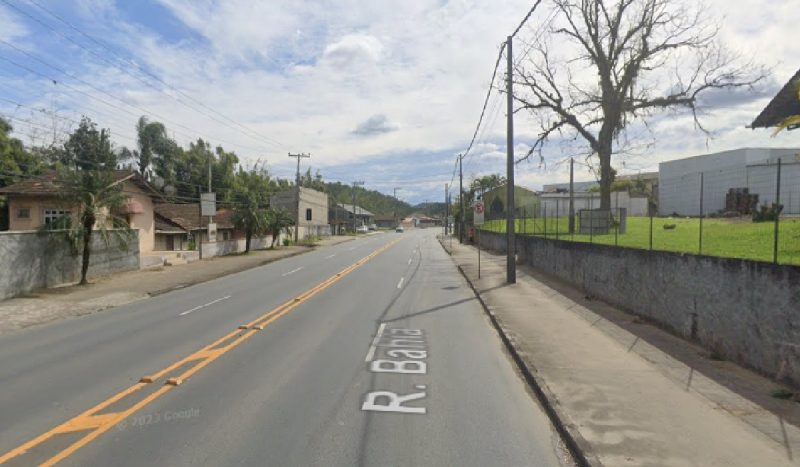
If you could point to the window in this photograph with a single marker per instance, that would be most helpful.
(24, 213)
(308, 214)
(56, 218)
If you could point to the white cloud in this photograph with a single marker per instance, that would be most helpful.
(310, 74)
(13, 28)
(353, 50)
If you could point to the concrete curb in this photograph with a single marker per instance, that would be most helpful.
(577, 446)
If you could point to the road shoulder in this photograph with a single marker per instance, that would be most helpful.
(107, 292)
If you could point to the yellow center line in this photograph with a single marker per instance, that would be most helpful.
(96, 424)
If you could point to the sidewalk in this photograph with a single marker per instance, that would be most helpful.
(622, 400)
(45, 305)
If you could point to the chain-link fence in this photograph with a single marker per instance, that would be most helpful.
(751, 213)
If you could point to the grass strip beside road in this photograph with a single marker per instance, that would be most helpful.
(728, 238)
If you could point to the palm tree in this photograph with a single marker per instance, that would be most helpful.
(90, 184)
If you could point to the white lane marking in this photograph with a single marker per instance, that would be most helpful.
(371, 351)
(330, 256)
(292, 271)
(400, 284)
(205, 305)
(409, 260)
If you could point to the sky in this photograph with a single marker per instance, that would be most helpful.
(382, 91)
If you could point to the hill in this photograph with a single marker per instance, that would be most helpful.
(371, 200)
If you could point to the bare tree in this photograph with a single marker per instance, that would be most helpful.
(596, 66)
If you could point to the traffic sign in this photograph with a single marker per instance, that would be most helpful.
(478, 214)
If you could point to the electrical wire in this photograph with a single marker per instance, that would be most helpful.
(122, 69)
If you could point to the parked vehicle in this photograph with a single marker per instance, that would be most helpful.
(362, 229)
(399, 229)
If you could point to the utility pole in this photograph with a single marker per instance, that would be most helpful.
(297, 194)
(355, 184)
(461, 199)
(394, 211)
(446, 208)
(511, 267)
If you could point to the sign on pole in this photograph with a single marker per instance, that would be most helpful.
(208, 204)
(478, 217)
(212, 232)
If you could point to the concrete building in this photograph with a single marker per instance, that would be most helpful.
(310, 213)
(557, 204)
(341, 217)
(751, 168)
(526, 202)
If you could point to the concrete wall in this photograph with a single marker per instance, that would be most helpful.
(227, 247)
(745, 311)
(32, 260)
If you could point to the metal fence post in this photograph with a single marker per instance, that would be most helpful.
(777, 214)
(545, 222)
(557, 219)
(616, 221)
(700, 240)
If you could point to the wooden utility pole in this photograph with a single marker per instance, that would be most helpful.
(297, 193)
(461, 199)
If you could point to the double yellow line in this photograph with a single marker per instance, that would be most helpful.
(95, 423)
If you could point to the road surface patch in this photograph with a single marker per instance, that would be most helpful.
(93, 424)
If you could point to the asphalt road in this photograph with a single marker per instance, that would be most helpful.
(391, 362)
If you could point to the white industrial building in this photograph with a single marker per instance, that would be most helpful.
(751, 168)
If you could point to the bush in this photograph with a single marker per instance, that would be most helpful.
(286, 242)
(767, 214)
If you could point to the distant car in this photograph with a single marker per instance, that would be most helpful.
(373, 227)
(399, 229)
(362, 229)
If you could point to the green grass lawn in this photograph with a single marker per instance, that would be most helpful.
(732, 238)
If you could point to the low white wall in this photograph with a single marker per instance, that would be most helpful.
(227, 247)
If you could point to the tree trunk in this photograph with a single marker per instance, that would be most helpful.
(88, 224)
(605, 178)
(248, 236)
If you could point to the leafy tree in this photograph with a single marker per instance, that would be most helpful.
(252, 197)
(223, 173)
(598, 65)
(279, 220)
(90, 185)
(15, 161)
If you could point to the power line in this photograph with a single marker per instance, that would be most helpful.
(153, 76)
(70, 75)
(524, 20)
(486, 100)
(124, 70)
